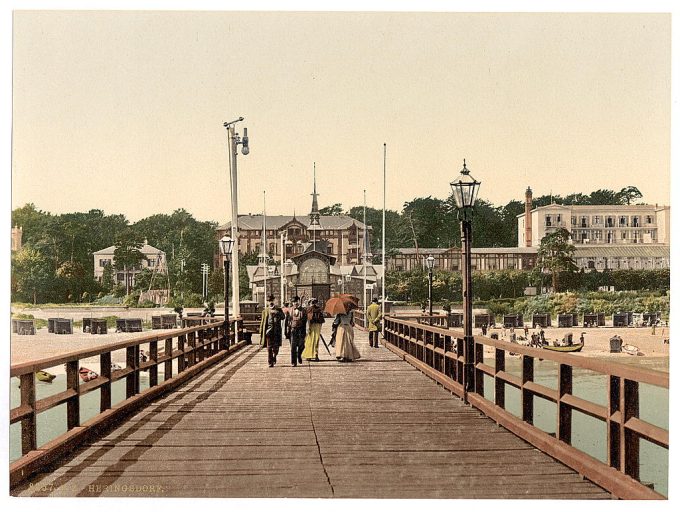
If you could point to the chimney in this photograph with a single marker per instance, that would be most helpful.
(527, 218)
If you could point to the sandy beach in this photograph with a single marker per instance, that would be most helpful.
(45, 344)
(596, 339)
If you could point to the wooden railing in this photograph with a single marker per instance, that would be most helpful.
(193, 349)
(439, 353)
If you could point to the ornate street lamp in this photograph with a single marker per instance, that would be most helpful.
(465, 190)
(430, 265)
(226, 246)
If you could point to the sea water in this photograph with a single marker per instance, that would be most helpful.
(590, 434)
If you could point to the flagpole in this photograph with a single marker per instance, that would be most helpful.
(364, 254)
(264, 244)
(384, 256)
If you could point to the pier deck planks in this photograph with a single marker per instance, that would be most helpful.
(375, 428)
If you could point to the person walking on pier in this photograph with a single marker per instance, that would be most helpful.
(270, 329)
(345, 350)
(373, 321)
(315, 319)
(298, 328)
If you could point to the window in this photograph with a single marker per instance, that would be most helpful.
(329, 249)
(610, 222)
(548, 220)
(559, 218)
(151, 262)
(623, 221)
(573, 220)
(104, 262)
(596, 219)
(591, 263)
(584, 222)
(649, 219)
(636, 222)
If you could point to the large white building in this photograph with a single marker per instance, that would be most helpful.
(635, 236)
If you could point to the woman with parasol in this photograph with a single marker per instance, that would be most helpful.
(342, 307)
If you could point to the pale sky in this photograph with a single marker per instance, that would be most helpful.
(123, 111)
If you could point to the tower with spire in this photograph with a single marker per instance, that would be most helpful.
(314, 215)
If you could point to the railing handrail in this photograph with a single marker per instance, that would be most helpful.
(642, 375)
(191, 348)
(445, 355)
(19, 369)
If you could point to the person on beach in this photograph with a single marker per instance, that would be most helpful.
(315, 319)
(373, 321)
(345, 350)
(298, 329)
(270, 330)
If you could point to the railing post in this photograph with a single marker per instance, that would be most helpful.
(105, 390)
(459, 361)
(614, 427)
(479, 374)
(630, 458)
(153, 357)
(563, 410)
(499, 385)
(28, 425)
(168, 363)
(73, 403)
(132, 380)
(192, 343)
(181, 360)
(201, 346)
(527, 396)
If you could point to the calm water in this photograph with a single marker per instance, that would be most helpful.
(588, 434)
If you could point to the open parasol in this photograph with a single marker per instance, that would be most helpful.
(339, 306)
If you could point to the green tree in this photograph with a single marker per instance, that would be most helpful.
(335, 209)
(629, 194)
(556, 254)
(31, 273)
(108, 281)
(604, 196)
(127, 255)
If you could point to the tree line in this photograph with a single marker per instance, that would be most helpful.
(430, 222)
(56, 263)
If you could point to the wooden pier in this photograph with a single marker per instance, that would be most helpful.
(374, 428)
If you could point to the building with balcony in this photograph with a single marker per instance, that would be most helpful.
(595, 224)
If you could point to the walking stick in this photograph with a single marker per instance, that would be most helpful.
(324, 344)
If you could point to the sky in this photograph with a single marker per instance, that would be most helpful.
(123, 111)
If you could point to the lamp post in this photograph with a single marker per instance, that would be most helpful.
(285, 272)
(234, 140)
(271, 271)
(226, 246)
(430, 265)
(465, 189)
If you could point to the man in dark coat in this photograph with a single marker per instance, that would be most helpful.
(298, 330)
(270, 329)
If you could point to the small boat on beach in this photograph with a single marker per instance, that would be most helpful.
(631, 350)
(564, 348)
(86, 374)
(44, 376)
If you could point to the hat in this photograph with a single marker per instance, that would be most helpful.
(296, 299)
(375, 299)
(270, 298)
(313, 300)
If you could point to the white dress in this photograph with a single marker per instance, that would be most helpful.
(344, 340)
